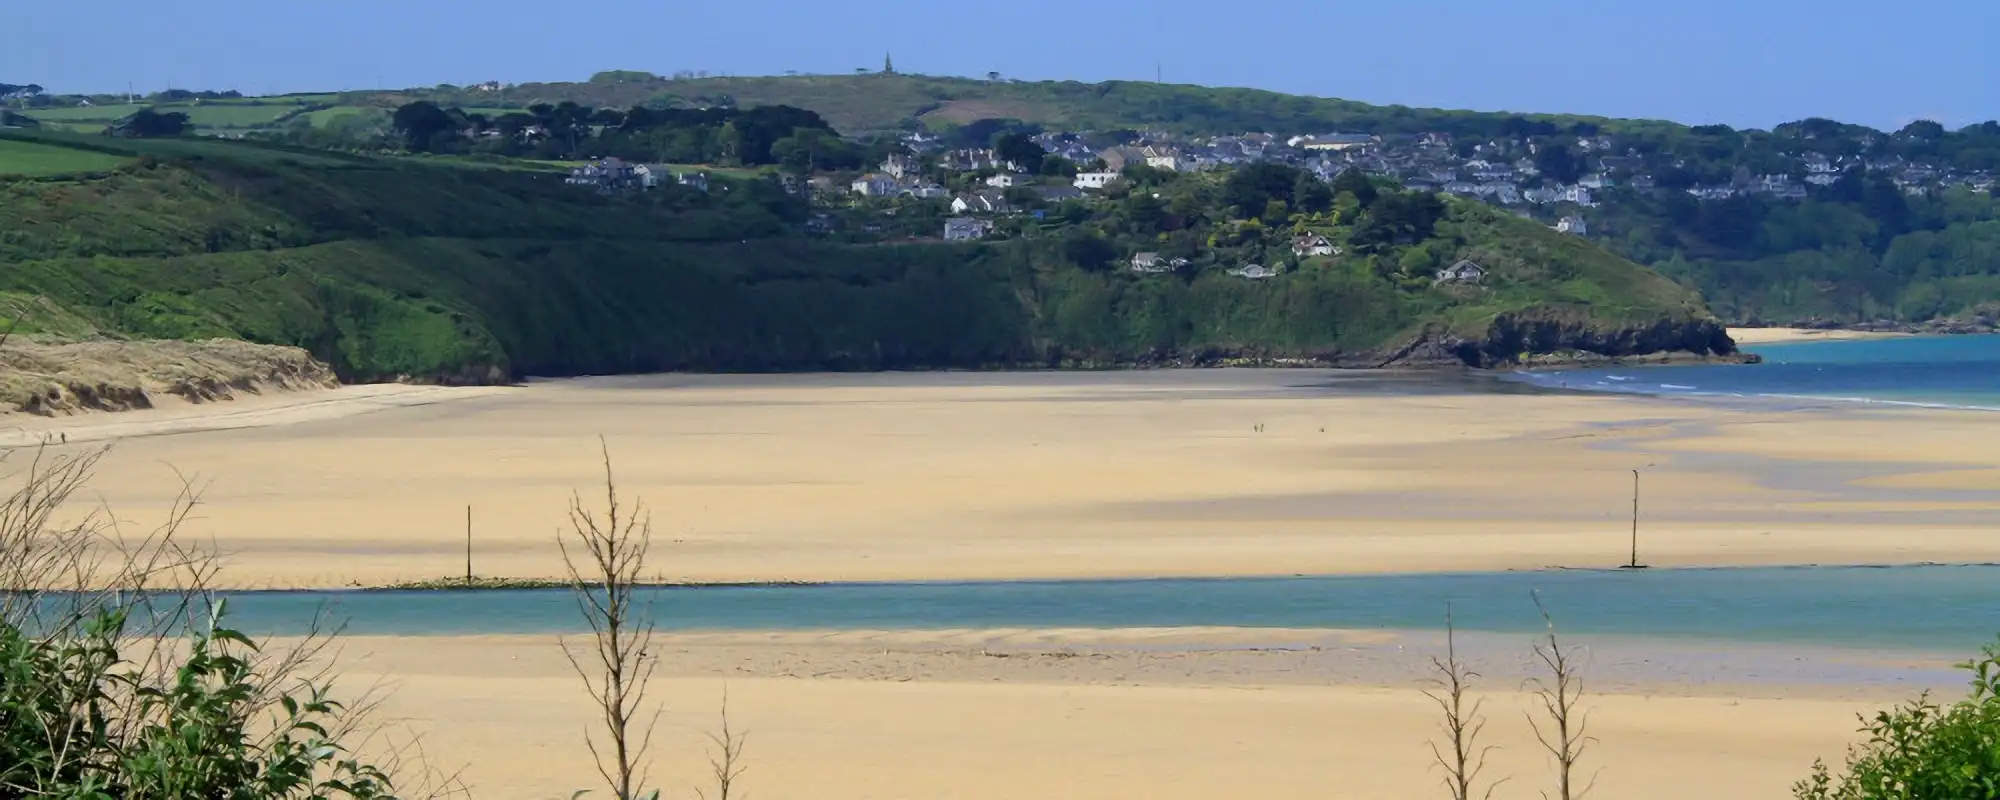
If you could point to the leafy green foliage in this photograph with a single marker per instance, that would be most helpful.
(1861, 251)
(1921, 750)
(78, 721)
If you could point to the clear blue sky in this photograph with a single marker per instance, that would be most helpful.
(1740, 62)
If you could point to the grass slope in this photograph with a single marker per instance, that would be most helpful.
(31, 159)
(402, 268)
(884, 101)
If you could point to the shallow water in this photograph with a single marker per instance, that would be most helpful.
(1944, 608)
(1929, 371)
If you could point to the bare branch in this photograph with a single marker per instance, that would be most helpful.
(605, 555)
(1461, 757)
(1565, 733)
(725, 761)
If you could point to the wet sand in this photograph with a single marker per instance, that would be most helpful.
(1045, 475)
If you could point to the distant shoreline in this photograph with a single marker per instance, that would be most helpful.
(1752, 336)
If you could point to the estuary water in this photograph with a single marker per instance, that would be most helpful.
(1929, 371)
(1944, 608)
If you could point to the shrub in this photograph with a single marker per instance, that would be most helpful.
(114, 686)
(1921, 750)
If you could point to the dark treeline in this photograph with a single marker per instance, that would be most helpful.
(763, 135)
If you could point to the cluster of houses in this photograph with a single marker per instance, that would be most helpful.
(612, 174)
(1502, 172)
(1305, 245)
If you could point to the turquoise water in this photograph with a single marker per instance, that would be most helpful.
(1946, 608)
(1943, 371)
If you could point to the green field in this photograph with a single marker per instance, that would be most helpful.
(193, 149)
(325, 116)
(86, 113)
(233, 115)
(42, 160)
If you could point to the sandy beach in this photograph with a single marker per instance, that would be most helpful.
(998, 476)
(1098, 714)
(1787, 335)
(1039, 475)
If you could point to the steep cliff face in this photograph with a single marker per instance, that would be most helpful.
(1544, 336)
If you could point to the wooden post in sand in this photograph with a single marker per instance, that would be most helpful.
(468, 547)
(1634, 564)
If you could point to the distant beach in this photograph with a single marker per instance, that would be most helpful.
(1745, 336)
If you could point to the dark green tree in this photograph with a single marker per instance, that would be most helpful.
(147, 123)
(1555, 161)
(1397, 219)
(1089, 250)
(423, 126)
(1355, 182)
(1021, 150)
(1312, 194)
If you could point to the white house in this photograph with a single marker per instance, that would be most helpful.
(1094, 180)
(965, 229)
(697, 181)
(1313, 244)
(1462, 272)
(650, 176)
(1254, 272)
(900, 166)
(1150, 263)
(1573, 224)
(1576, 194)
(875, 185)
(1008, 180)
(990, 201)
(927, 191)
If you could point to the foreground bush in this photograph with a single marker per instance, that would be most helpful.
(113, 687)
(1923, 751)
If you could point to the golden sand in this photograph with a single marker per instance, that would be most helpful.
(956, 476)
(510, 714)
(1787, 335)
(943, 476)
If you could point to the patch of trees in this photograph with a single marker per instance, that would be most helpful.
(784, 135)
(147, 123)
(183, 95)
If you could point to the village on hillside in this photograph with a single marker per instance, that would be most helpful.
(1564, 182)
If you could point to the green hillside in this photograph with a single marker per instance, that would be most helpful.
(430, 270)
(879, 101)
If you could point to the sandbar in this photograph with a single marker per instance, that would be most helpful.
(927, 476)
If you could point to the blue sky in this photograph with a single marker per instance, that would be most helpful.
(1740, 62)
